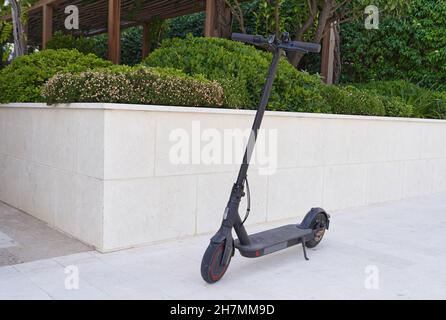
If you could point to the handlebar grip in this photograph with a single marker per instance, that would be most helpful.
(254, 39)
(305, 46)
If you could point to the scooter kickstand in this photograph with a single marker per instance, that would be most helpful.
(304, 249)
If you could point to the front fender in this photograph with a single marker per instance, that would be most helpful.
(224, 234)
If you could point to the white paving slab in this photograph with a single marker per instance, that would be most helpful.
(5, 241)
(24, 238)
(401, 243)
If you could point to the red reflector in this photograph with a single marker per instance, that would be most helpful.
(258, 253)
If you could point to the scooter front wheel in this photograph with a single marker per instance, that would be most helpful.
(212, 268)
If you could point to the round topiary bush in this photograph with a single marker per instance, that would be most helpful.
(24, 78)
(241, 69)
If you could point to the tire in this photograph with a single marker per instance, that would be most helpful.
(211, 269)
(319, 223)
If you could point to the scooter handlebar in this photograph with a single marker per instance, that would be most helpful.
(287, 46)
(254, 39)
(302, 46)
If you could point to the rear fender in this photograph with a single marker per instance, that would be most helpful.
(311, 215)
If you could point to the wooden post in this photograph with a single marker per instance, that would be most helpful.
(47, 32)
(328, 47)
(223, 19)
(114, 31)
(145, 40)
(209, 27)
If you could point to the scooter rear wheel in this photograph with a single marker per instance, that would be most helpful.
(318, 224)
(211, 268)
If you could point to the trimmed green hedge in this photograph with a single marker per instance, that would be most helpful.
(241, 69)
(133, 85)
(23, 79)
(425, 103)
(351, 100)
(214, 72)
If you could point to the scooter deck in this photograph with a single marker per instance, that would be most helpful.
(273, 240)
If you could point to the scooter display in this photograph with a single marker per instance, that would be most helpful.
(309, 232)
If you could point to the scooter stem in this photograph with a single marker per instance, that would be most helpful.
(259, 117)
(232, 217)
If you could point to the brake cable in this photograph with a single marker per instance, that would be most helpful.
(248, 199)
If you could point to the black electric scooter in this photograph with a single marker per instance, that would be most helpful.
(309, 232)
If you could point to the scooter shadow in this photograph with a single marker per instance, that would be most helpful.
(274, 263)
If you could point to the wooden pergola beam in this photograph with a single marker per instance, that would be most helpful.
(35, 7)
(47, 25)
(145, 40)
(112, 16)
(42, 3)
(114, 31)
(94, 14)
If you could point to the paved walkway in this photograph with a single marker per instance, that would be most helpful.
(395, 250)
(24, 239)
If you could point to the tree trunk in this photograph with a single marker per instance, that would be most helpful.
(337, 54)
(19, 35)
(323, 21)
(224, 19)
(294, 58)
(237, 12)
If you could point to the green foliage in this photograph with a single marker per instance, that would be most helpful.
(241, 70)
(157, 28)
(139, 85)
(408, 92)
(213, 72)
(424, 102)
(293, 13)
(179, 27)
(131, 40)
(396, 107)
(22, 80)
(411, 47)
(68, 41)
(131, 45)
(364, 100)
(5, 53)
(5, 31)
(350, 100)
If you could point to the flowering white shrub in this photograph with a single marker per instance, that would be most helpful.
(141, 85)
